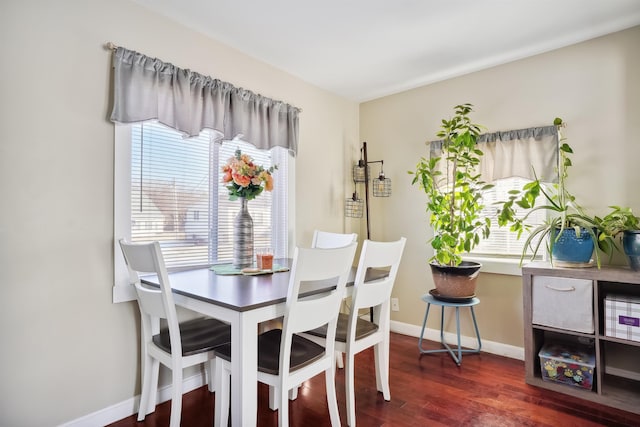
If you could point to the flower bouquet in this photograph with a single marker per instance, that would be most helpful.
(245, 179)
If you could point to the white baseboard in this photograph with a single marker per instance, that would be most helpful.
(492, 347)
(129, 407)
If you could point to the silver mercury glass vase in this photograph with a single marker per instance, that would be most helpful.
(243, 237)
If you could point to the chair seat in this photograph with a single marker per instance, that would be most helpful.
(303, 352)
(364, 328)
(197, 336)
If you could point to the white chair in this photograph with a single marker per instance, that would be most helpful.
(324, 240)
(355, 334)
(285, 359)
(327, 239)
(179, 345)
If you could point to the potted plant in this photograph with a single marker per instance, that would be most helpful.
(622, 221)
(454, 203)
(569, 233)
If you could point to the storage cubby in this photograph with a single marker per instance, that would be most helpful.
(622, 360)
(616, 376)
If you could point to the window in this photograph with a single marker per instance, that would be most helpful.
(503, 243)
(168, 189)
(509, 161)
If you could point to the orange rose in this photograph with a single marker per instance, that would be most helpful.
(241, 180)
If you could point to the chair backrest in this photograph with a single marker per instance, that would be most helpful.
(376, 292)
(315, 264)
(326, 239)
(155, 304)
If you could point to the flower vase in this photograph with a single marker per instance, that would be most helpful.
(243, 237)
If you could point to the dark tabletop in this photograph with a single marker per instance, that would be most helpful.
(242, 293)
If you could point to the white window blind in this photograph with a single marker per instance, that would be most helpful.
(503, 243)
(178, 199)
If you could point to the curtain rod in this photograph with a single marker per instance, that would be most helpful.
(110, 46)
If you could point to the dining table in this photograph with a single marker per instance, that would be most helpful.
(243, 301)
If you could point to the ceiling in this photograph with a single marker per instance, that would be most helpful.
(366, 49)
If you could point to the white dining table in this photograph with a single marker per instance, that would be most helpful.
(243, 301)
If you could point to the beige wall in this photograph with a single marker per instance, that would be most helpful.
(66, 350)
(594, 86)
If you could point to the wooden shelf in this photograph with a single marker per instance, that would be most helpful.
(563, 331)
(619, 341)
(616, 380)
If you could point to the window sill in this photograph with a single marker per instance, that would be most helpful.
(509, 267)
(123, 293)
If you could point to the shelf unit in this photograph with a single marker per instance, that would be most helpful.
(616, 381)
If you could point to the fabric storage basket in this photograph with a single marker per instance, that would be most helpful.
(622, 317)
(567, 364)
(553, 295)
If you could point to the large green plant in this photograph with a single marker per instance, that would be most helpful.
(564, 211)
(454, 197)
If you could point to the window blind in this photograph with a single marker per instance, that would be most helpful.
(503, 243)
(178, 199)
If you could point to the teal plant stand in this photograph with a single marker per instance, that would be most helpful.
(471, 302)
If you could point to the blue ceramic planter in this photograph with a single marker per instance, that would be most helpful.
(631, 246)
(572, 249)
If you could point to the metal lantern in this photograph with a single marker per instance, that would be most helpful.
(359, 172)
(354, 207)
(381, 186)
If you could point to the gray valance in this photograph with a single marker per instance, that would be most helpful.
(516, 153)
(149, 89)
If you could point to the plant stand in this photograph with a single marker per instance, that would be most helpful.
(469, 303)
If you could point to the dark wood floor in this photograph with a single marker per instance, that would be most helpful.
(487, 390)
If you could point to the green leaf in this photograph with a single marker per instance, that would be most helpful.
(566, 148)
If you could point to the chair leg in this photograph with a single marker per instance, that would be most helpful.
(293, 393)
(210, 368)
(153, 390)
(273, 396)
(145, 395)
(283, 406)
(332, 399)
(339, 363)
(274, 392)
(176, 396)
(223, 393)
(350, 389)
(381, 357)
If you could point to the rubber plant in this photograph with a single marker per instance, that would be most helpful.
(454, 189)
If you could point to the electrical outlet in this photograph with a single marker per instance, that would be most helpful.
(395, 305)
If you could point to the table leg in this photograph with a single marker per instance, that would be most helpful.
(244, 371)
